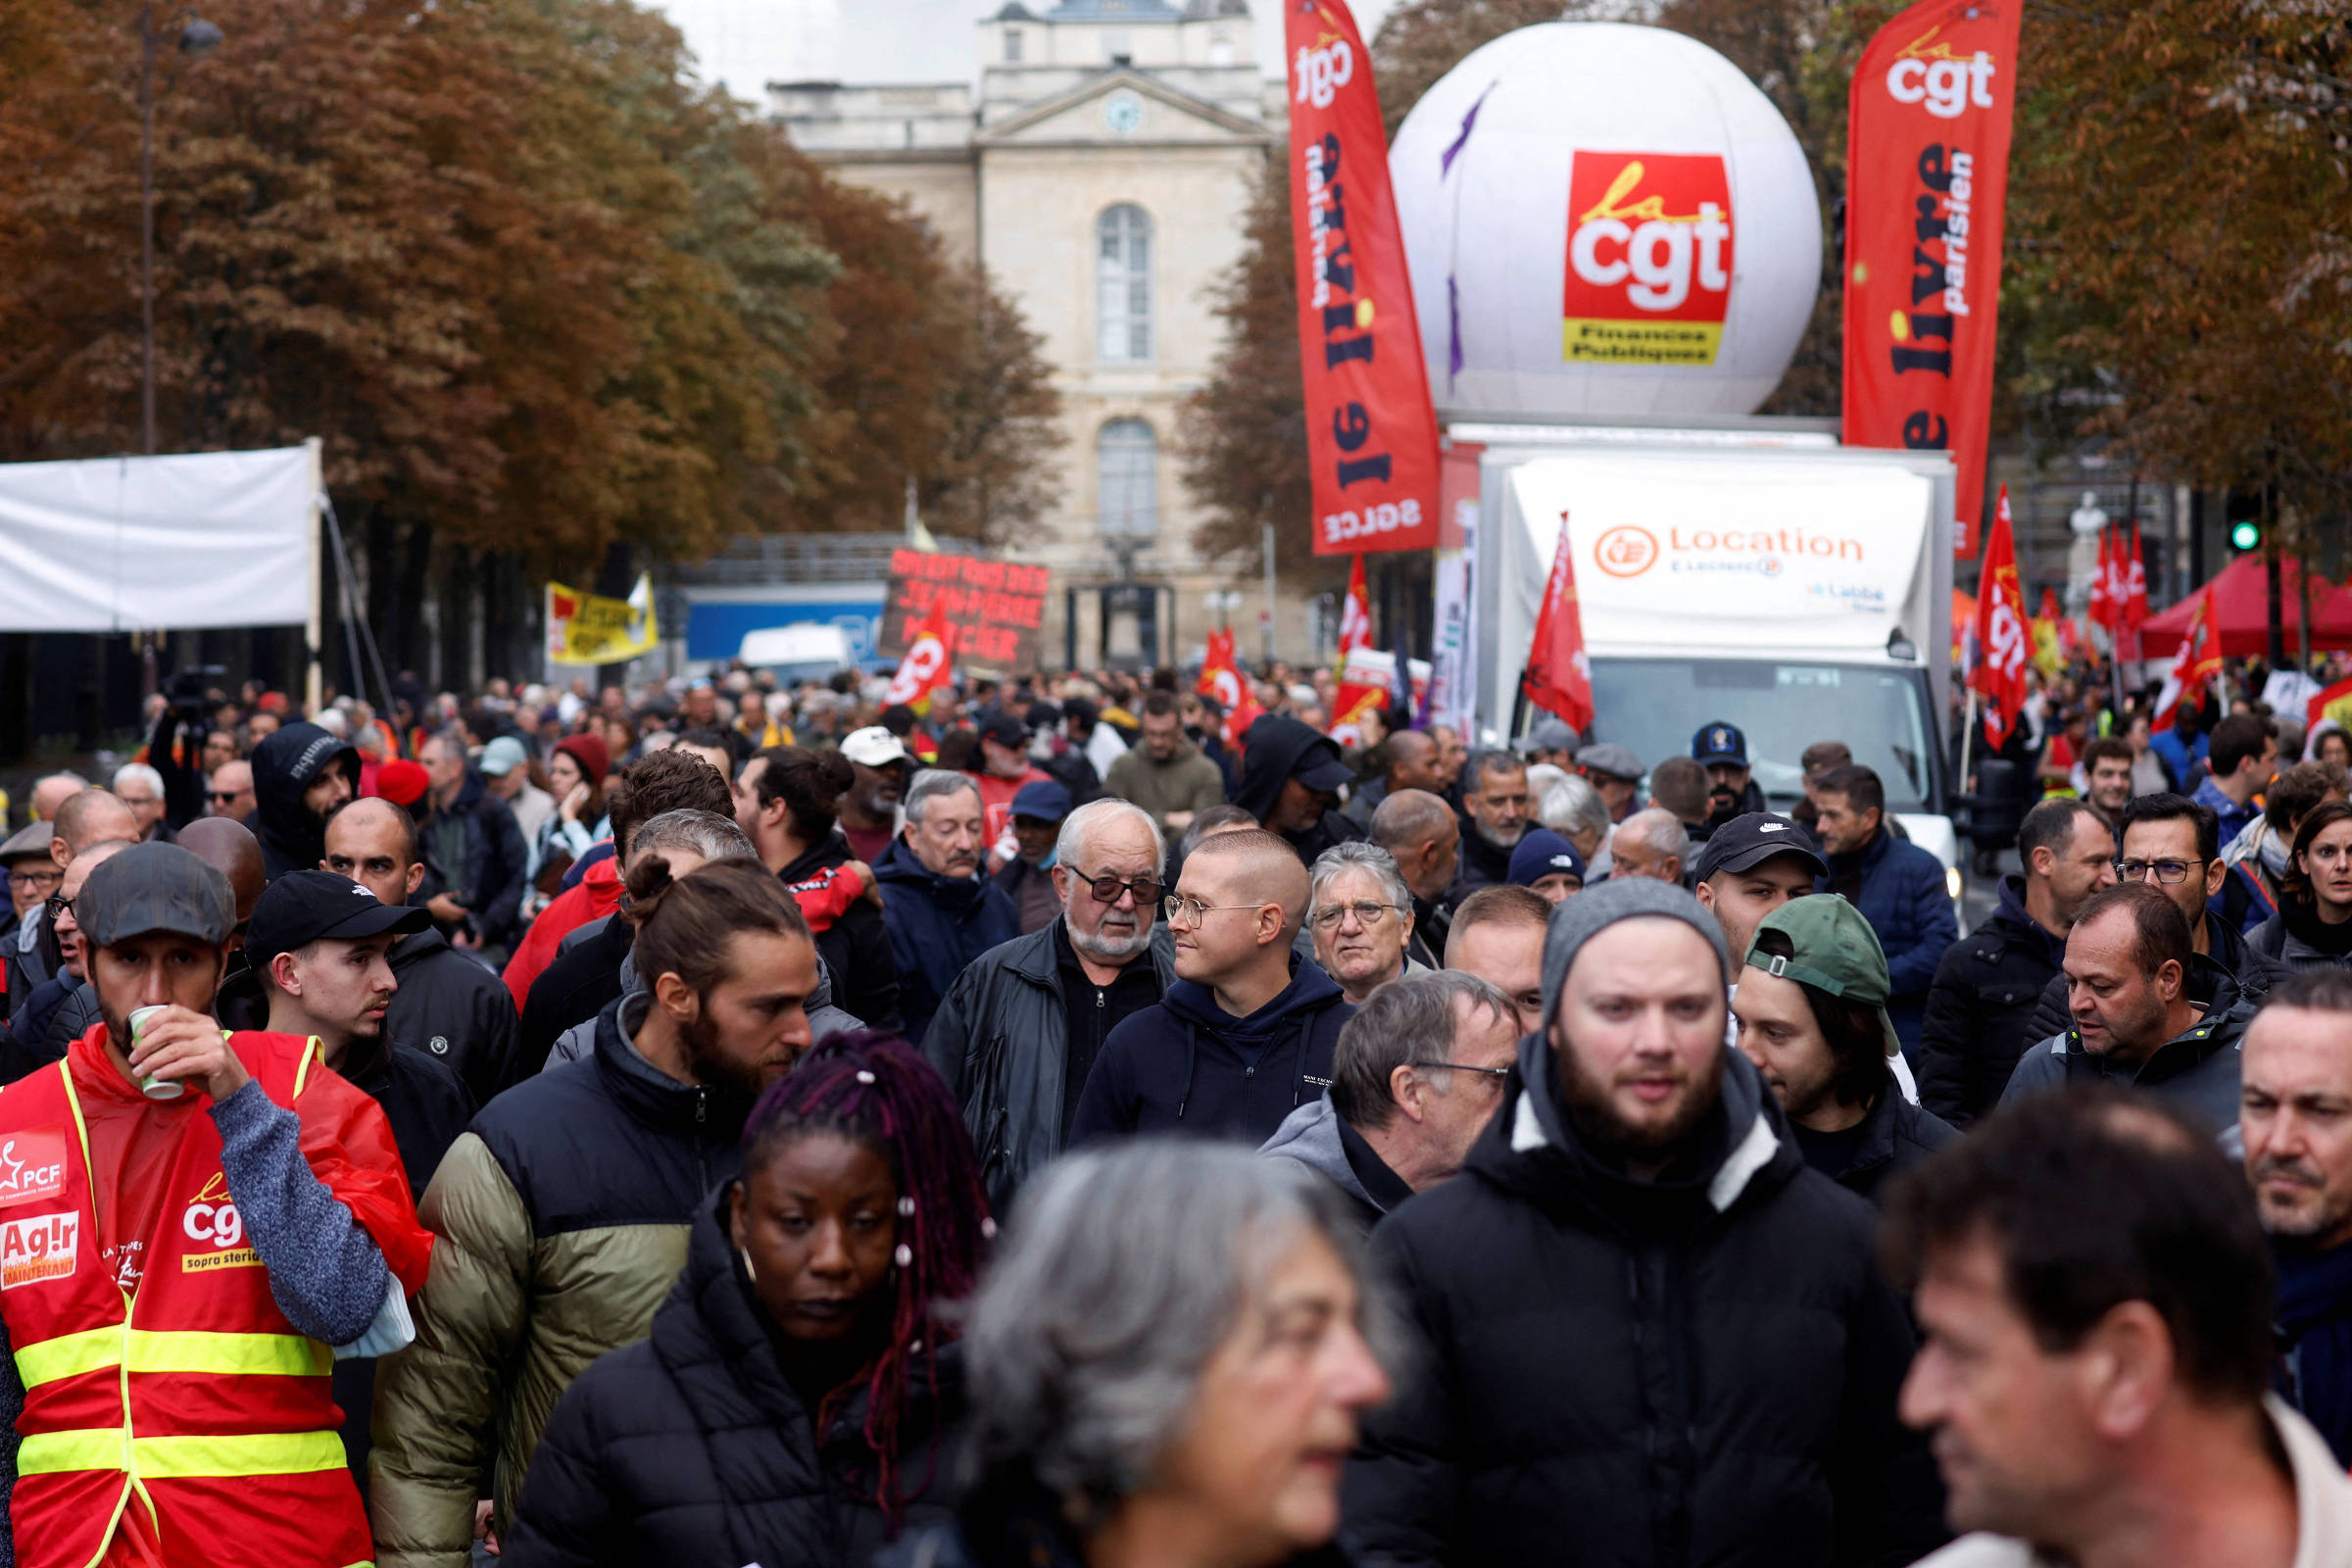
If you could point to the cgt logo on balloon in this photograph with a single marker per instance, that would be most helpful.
(1649, 258)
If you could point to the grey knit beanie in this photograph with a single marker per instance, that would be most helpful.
(1585, 915)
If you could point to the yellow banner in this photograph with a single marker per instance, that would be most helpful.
(1640, 342)
(584, 630)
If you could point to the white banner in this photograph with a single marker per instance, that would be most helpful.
(120, 544)
(1452, 694)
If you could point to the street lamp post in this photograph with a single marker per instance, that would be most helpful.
(198, 37)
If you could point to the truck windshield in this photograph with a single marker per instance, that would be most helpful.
(1654, 707)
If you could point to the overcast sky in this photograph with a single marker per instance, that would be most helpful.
(745, 42)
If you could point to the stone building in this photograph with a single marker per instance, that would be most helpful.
(1101, 169)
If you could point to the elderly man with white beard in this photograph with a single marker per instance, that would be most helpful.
(1022, 1025)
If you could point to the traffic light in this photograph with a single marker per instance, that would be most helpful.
(2245, 534)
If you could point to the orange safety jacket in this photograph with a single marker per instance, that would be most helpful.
(185, 1422)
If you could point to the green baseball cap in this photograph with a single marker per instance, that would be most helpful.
(1834, 951)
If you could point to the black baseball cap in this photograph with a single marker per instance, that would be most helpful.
(1746, 842)
(305, 907)
(1006, 731)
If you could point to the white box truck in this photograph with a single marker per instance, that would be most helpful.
(1745, 570)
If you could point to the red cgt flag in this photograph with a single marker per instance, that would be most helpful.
(2102, 585)
(1221, 678)
(1560, 677)
(1371, 431)
(1927, 159)
(1353, 698)
(2198, 661)
(2136, 586)
(1999, 677)
(928, 663)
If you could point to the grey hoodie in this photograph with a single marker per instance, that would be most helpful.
(825, 1019)
(1310, 1135)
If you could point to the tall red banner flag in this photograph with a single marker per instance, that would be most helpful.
(2002, 643)
(1371, 433)
(1559, 677)
(1928, 175)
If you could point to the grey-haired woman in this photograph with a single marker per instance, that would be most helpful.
(1166, 1363)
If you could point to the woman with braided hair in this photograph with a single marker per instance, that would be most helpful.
(795, 1404)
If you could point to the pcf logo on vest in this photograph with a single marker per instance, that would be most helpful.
(32, 1165)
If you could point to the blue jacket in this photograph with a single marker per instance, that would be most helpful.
(2178, 754)
(1188, 1066)
(1903, 898)
(2235, 817)
(491, 881)
(937, 925)
(2315, 1333)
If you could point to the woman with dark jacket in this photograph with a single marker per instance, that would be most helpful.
(2313, 928)
(795, 1403)
(1166, 1365)
(804, 849)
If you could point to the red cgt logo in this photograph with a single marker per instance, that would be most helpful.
(1649, 258)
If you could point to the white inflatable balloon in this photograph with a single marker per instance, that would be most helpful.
(1605, 218)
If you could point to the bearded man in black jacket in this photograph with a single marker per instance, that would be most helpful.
(1648, 1335)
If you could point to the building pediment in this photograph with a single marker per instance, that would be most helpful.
(1120, 105)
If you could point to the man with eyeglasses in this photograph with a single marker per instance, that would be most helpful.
(1022, 1026)
(2174, 844)
(36, 1035)
(1361, 914)
(1244, 1035)
(1415, 1078)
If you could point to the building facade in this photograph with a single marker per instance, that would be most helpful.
(1101, 169)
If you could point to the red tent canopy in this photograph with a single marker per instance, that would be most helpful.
(2240, 604)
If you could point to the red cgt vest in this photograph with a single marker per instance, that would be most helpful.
(187, 1422)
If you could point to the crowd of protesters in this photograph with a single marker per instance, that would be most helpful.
(574, 1124)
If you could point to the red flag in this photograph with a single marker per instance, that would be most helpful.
(928, 663)
(2000, 673)
(2198, 661)
(1221, 678)
(1354, 695)
(2333, 702)
(1371, 433)
(1559, 677)
(2102, 586)
(1928, 162)
(2136, 586)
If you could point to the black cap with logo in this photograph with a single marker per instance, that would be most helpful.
(1746, 842)
(305, 907)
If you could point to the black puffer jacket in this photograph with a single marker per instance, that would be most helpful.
(1981, 1007)
(688, 1447)
(457, 1011)
(1895, 1135)
(1641, 1375)
(287, 763)
(856, 947)
(2294, 939)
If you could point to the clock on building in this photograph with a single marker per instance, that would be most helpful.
(1123, 113)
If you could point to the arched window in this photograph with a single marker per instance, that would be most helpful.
(1127, 479)
(1123, 284)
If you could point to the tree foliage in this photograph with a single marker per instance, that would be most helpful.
(537, 289)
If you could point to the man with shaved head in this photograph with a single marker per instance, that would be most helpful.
(90, 817)
(53, 791)
(450, 1006)
(1424, 837)
(1244, 1035)
(229, 847)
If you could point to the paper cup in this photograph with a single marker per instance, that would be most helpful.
(153, 1088)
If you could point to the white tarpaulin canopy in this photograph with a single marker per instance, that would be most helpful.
(122, 544)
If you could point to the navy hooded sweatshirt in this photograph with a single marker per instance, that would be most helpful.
(1188, 1066)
